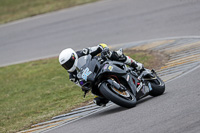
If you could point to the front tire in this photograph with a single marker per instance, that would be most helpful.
(125, 99)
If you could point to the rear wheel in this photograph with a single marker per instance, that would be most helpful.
(123, 98)
(158, 86)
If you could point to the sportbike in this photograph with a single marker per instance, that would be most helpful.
(116, 81)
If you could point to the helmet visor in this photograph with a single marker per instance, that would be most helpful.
(69, 64)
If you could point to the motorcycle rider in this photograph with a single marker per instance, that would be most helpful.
(68, 58)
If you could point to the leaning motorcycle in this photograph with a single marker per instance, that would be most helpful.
(116, 81)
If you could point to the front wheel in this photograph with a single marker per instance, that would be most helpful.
(123, 98)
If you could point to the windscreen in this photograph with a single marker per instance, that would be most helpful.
(83, 60)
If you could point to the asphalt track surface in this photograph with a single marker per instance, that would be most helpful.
(115, 22)
(176, 111)
(184, 56)
(109, 21)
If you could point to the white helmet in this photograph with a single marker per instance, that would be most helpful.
(68, 59)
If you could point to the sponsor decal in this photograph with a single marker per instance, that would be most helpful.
(105, 67)
(73, 56)
(139, 87)
(86, 73)
(150, 88)
(127, 78)
(110, 68)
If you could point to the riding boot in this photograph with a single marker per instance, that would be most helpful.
(100, 101)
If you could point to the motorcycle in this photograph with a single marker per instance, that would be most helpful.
(116, 81)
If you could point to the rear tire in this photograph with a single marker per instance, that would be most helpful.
(158, 87)
(127, 99)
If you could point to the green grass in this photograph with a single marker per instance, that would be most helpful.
(36, 91)
(145, 58)
(17, 9)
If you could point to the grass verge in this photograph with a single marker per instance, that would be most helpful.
(36, 91)
(17, 9)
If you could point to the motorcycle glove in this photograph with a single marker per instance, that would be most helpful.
(105, 53)
(73, 77)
